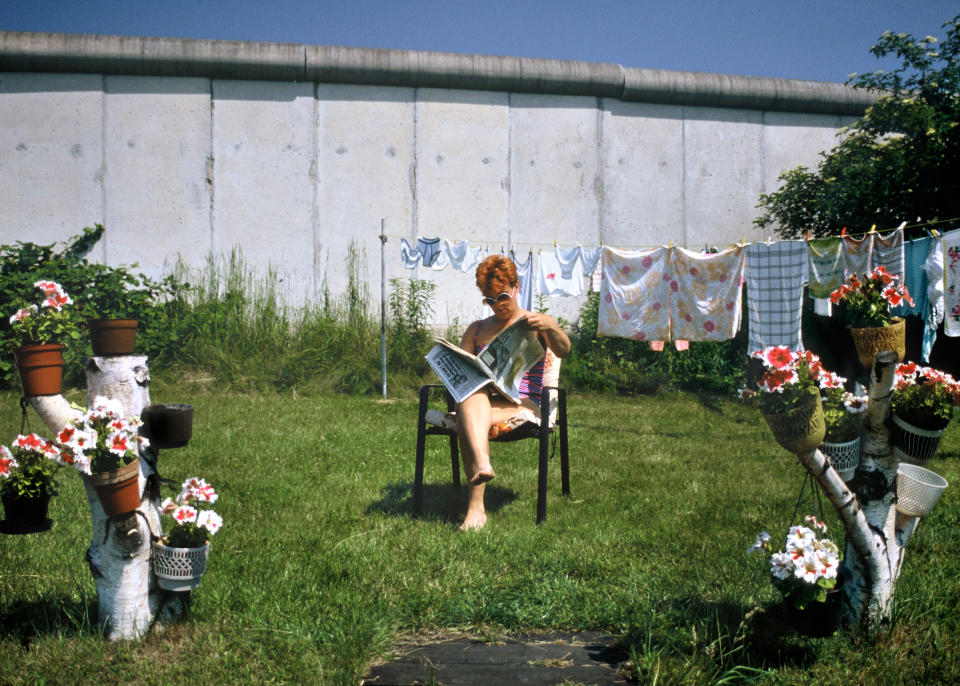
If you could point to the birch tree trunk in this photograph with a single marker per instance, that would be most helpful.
(877, 533)
(129, 599)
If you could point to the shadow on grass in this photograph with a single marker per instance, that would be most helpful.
(60, 615)
(441, 502)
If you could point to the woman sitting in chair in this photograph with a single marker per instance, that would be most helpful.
(485, 409)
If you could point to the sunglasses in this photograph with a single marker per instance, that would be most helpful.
(499, 299)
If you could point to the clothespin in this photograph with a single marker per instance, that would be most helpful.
(808, 236)
(903, 225)
(843, 234)
(743, 240)
(873, 229)
(554, 242)
(671, 244)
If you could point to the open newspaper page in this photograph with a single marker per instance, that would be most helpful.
(502, 363)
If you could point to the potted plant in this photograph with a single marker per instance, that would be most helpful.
(180, 556)
(790, 399)
(38, 333)
(167, 426)
(806, 572)
(864, 303)
(27, 482)
(841, 414)
(115, 302)
(922, 405)
(103, 446)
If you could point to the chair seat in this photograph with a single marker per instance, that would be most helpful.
(524, 424)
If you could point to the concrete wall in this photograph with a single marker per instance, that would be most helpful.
(184, 149)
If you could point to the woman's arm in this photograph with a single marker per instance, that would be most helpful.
(469, 337)
(550, 332)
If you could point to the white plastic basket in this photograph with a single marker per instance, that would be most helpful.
(918, 489)
(844, 457)
(179, 569)
(912, 444)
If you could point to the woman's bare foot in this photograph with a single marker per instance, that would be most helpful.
(483, 475)
(474, 520)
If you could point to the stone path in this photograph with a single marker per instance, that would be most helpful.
(582, 657)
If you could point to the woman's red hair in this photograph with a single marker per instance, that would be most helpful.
(498, 271)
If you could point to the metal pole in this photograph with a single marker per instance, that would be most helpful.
(383, 306)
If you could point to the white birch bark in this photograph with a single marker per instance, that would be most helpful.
(128, 596)
(876, 533)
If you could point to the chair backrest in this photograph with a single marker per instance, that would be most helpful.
(551, 377)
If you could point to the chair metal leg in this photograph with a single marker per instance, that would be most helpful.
(421, 447)
(564, 451)
(454, 444)
(543, 458)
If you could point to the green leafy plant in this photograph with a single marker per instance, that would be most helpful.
(866, 302)
(30, 473)
(193, 520)
(53, 321)
(924, 397)
(841, 413)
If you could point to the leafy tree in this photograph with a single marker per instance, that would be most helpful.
(899, 161)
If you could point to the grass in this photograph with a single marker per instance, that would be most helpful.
(320, 569)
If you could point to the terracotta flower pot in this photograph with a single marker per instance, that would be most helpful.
(25, 515)
(800, 429)
(41, 368)
(119, 489)
(112, 336)
(871, 340)
(167, 426)
(179, 569)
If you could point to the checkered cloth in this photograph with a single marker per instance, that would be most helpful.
(776, 273)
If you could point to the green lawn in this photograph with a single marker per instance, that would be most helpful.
(320, 568)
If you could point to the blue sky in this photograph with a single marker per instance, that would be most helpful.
(823, 40)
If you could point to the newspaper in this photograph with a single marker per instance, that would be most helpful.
(502, 363)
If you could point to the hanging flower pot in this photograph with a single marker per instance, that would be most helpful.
(844, 457)
(179, 569)
(911, 444)
(801, 429)
(41, 368)
(871, 340)
(167, 426)
(918, 490)
(25, 515)
(112, 336)
(118, 489)
(818, 619)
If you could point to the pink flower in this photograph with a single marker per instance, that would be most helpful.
(118, 443)
(778, 357)
(709, 326)
(625, 269)
(694, 271)
(7, 462)
(657, 307)
(723, 278)
(640, 335)
(674, 286)
(608, 298)
(646, 262)
(730, 306)
(184, 515)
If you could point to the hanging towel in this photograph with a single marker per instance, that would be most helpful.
(552, 281)
(933, 314)
(888, 251)
(589, 257)
(776, 273)
(825, 257)
(915, 255)
(857, 253)
(567, 258)
(525, 277)
(951, 291)
(635, 294)
(462, 257)
(705, 294)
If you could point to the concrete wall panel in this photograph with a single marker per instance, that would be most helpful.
(263, 193)
(157, 146)
(365, 174)
(51, 155)
(723, 175)
(642, 174)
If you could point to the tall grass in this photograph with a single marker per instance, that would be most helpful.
(320, 568)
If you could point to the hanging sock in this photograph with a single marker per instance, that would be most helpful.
(888, 251)
(705, 292)
(681, 344)
(857, 255)
(589, 258)
(567, 259)
(951, 286)
(656, 346)
(775, 276)
(462, 257)
(635, 294)
(552, 281)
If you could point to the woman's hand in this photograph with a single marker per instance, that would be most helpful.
(547, 327)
